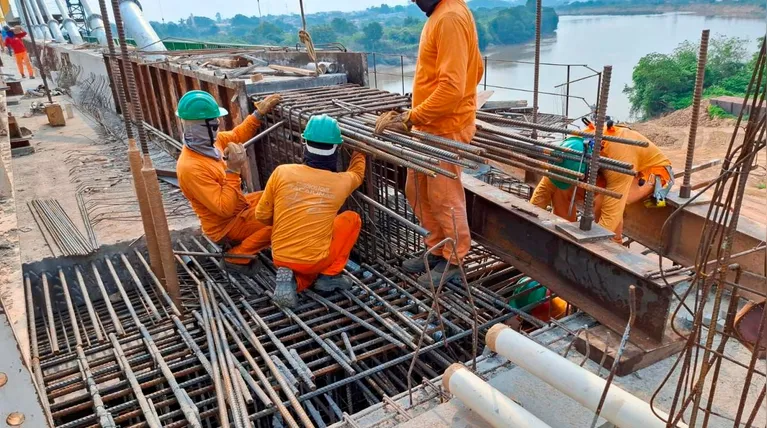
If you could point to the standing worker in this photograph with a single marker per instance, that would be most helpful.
(447, 72)
(311, 242)
(14, 41)
(208, 172)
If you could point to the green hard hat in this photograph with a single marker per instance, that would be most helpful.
(323, 129)
(199, 105)
(574, 143)
(527, 283)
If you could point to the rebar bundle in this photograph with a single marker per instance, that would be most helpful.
(699, 396)
(356, 110)
(49, 214)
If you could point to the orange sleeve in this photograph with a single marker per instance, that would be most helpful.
(355, 173)
(221, 199)
(542, 194)
(612, 209)
(265, 207)
(240, 134)
(452, 41)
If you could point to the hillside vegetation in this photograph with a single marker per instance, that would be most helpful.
(384, 29)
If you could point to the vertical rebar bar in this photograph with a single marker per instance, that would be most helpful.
(402, 72)
(604, 92)
(537, 61)
(484, 78)
(567, 97)
(375, 71)
(685, 189)
(89, 304)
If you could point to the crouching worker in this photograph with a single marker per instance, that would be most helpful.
(209, 175)
(311, 242)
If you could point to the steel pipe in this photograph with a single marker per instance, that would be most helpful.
(139, 29)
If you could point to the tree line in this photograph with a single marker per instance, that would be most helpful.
(385, 29)
(662, 83)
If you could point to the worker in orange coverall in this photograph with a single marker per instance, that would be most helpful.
(311, 242)
(651, 184)
(208, 172)
(447, 72)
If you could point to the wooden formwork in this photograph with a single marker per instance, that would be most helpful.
(160, 86)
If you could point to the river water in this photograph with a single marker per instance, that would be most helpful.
(594, 41)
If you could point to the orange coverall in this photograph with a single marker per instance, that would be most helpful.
(216, 196)
(301, 203)
(649, 162)
(546, 193)
(447, 72)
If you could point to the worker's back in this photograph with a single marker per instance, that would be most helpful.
(214, 195)
(448, 53)
(302, 203)
(642, 158)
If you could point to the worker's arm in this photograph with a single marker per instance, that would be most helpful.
(355, 173)
(542, 194)
(21, 34)
(240, 134)
(265, 207)
(452, 40)
(612, 209)
(221, 199)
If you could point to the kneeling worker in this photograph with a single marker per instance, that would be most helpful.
(311, 242)
(208, 172)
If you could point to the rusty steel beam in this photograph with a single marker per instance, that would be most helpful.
(592, 276)
(682, 236)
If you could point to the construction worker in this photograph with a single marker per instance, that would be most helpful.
(14, 41)
(447, 72)
(311, 242)
(561, 196)
(651, 184)
(208, 172)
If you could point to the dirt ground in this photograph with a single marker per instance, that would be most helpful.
(671, 133)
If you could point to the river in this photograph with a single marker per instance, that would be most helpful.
(595, 41)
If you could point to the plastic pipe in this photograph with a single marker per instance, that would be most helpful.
(139, 29)
(95, 22)
(620, 407)
(53, 25)
(69, 24)
(495, 408)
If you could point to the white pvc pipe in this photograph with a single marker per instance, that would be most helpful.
(95, 22)
(138, 28)
(620, 407)
(489, 403)
(53, 25)
(69, 24)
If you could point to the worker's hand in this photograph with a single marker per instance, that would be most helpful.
(235, 156)
(267, 104)
(394, 120)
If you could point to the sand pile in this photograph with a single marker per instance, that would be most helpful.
(682, 118)
(657, 134)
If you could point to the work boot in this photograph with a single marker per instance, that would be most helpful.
(326, 283)
(285, 291)
(436, 273)
(415, 265)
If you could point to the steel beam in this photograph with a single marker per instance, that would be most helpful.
(682, 236)
(593, 276)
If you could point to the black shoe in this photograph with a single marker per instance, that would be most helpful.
(415, 265)
(453, 273)
(327, 283)
(285, 290)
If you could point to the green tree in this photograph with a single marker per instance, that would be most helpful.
(265, 33)
(483, 37)
(343, 26)
(323, 34)
(240, 20)
(372, 33)
(218, 16)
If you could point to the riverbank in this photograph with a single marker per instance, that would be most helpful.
(717, 10)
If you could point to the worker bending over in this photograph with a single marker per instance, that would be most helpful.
(447, 72)
(564, 197)
(311, 242)
(209, 175)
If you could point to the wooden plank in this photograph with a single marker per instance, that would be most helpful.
(176, 92)
(142, 92)
(152, 100)
(108, 63)
(294, 70)
(165, 106)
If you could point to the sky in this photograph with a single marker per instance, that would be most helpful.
(154, 10)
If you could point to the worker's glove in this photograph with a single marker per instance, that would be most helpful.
(266, 105)
(235, 157)
(394, 120)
